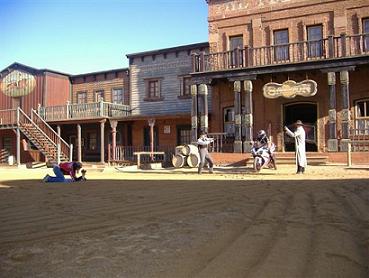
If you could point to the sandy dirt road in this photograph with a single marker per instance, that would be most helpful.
(275, 224)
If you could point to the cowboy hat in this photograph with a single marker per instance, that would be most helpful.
(298, 122)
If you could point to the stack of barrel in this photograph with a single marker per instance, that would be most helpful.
(186, 155)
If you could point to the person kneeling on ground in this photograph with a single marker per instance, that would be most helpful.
(66, 168)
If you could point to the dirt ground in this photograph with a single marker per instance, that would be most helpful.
(233, 223)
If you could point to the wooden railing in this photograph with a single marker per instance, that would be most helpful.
(8, 117)
(84, 111)
(303, 51)
(65, 149)
(124, 154)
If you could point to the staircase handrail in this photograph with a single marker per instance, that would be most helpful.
(65, 148)
(19, 110)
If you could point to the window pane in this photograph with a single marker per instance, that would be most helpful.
(281, 38)
(81, 98)
(366, 25)
(99, 96)
(186, 88)
(235, 42)
(117, 96)
(153, 89)
(92, 144)
(315, 43)
(366, 37)
(229, 121)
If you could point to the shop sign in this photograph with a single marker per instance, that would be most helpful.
(17, 83)
(290, 89)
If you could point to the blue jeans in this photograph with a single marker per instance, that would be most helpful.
(59, 176)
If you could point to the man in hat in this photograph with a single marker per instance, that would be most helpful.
(203, 143)
(300, 152)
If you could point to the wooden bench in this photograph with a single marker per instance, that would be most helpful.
(139, 154)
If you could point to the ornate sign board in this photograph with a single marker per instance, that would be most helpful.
(17, 84)
(290, 89)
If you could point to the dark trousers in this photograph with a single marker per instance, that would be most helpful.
(204, 156)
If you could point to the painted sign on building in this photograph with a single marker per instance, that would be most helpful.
(17, 84)
(290, 89)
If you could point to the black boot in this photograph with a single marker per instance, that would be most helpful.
(299, 169)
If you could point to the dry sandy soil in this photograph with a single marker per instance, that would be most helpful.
(272, 224)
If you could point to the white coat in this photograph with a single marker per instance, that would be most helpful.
(299, 136)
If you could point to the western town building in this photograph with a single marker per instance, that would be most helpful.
(267, 64)
(273, 62)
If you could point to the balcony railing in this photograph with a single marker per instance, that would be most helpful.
(84, 111)
(8, 117)
(329, 48)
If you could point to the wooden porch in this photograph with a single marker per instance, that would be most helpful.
(330, 48)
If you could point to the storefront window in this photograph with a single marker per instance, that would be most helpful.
(229, 121)
(362, 116)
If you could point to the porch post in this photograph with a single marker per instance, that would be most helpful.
(102, 143)
(203, 103)
(332, 113)
(113, 125)
(248, 116)
(79, 143)
(194, 113)
(18, 147)
(237, 145)
(344, 77)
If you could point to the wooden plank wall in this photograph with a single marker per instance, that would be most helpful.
(169, 68)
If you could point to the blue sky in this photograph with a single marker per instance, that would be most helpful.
(81, 36)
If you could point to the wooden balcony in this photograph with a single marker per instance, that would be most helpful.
(8, 118)
(333, 47)
(85, 111)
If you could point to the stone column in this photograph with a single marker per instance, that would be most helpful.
(79, 143)
(102, 141)
(332, 113)
(113, 125)
(247, 122)
(344, 77)
(237, 145)
(194, 114)
(203, 106)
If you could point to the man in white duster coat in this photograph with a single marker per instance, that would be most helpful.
(299, 136)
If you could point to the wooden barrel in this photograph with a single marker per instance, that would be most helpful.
(181, 149)
(190, 149)
(193, 160)
(178, 160)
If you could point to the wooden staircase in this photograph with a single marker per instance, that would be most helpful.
(45, 139)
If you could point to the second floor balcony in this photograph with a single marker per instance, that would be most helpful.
(332, 47)
(84, 111)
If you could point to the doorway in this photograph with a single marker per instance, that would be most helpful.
(307, 113)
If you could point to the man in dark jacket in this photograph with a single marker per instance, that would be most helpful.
(203, 143)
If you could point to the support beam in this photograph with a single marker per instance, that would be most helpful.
(79, 143)
(332, 113)
(102, 141)
(344, 78)
(194, 110)
(113, 126)
(247, 122)
(18, 147)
